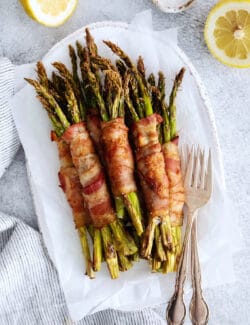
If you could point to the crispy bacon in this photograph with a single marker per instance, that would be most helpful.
(95, 191)
(118, 156)
(64, 154)
(95, 185)
(176, 186)
(94, 127)
(145, 132)
(70, 183)
(151, 165)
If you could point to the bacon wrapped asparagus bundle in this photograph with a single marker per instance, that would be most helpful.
(68, 176)
(70, 184)
(113, 133)
(92, 178)
(124, 243)
(149, 158)
(169, 139)
(154, 182)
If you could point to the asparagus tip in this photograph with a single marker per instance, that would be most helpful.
(181, 74)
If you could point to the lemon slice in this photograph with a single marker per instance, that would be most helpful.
(50, 13)
(227, 32)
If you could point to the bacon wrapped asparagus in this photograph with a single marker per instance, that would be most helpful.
(92, 178)
(68, 176)
(169, 138)
(149, 158)
(70, 184)
(124, 243)
(113, 134)
(154, 181)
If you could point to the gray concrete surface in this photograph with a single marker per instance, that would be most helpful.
(23, 40)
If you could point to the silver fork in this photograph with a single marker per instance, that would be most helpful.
(198, 187)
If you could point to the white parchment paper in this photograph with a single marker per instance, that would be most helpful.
(217, 224)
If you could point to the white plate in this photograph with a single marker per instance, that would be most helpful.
(136, 288)
(173, 6)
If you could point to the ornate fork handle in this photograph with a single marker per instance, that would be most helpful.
(198, 308)
(176, 310)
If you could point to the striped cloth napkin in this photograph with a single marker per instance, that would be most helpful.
(29, 289)
(9, 142)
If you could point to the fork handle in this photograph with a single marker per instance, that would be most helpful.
(198, 308)
(176, 310)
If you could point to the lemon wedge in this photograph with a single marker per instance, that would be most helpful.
(227, 32)
(50, 13)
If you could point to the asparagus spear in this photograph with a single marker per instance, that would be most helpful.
(124, 262)
(91, 43)
(121, 68)
(134, 114)
(86, 251)
(80, 52)
(172, 107)
(97, 253)
(163, 109)
(173, 134)
(73, 58)
(151, 80)
(160, 252)
(156, 265)
(92, 84)
(76, 87)
(141, 68)
(169, 133)
(102, 63)
(135, 95)
(110, 252)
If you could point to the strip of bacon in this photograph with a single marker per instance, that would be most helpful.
(151, 165)
(94, 128)
(145, 132)
(176, 186)
(70, 184)
(118, 156)
(87, 163)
